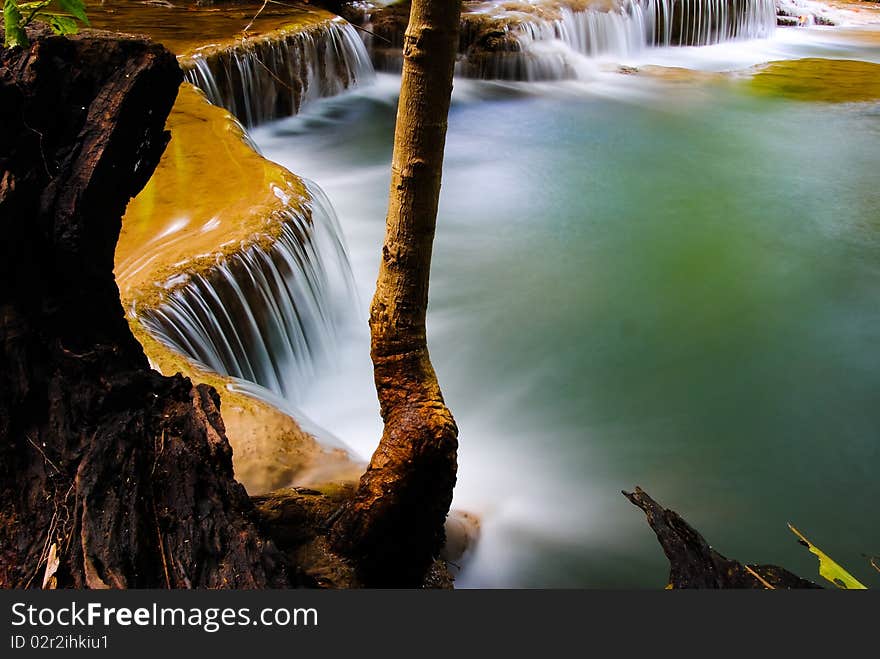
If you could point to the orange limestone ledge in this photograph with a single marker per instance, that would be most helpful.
(186, 29)
(213, 195)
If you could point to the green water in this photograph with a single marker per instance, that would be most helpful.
(671, 286)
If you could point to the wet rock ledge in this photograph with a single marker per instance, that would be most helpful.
(260, 62)
(211, 201)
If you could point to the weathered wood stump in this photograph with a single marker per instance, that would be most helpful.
(111, 475)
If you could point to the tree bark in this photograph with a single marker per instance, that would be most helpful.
(111, 475)
(693, 563)
(394, 525)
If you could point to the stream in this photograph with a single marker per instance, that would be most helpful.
(660, 280)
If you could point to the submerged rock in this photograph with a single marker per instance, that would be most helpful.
(817, 79)
(211, 195)
(462, 536)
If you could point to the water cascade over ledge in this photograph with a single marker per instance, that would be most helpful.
(270, 76)
(544, 40)
(264, 314)
(230, 259)
(545, 44)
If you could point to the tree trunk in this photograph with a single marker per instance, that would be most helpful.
(394, 526)
(111, 475)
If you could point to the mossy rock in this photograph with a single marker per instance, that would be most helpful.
(824, 80)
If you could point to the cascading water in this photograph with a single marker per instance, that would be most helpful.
(546, 45)
(544, 40)
(265, 314)
(594, 327)
(264, 78)
(593, 32)
(706, 22)
(616, 360)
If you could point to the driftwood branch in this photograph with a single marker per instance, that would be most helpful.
(693, 563)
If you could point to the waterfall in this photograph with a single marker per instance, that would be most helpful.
(636, 24)
(264, 314)
(271, 76)
(706, 22)
(546, 40)
(545, 45)
(625, 31)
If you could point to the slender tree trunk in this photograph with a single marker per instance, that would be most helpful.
(393, 527)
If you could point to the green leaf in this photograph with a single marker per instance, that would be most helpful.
(76, 9)
(30, 6)
(60, 24)
(15, 34)
(828, 569)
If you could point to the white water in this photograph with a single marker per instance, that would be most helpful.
(522, 207)
(577, 71)
(265, 78)
(515, 463)
(550, 47)
(270, 315)
(639, 23)
(266, 315)
(553, 40)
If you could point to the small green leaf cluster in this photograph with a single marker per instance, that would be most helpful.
(60, 15)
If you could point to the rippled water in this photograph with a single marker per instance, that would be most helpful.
(674, 284)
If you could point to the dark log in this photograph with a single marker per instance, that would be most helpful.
(111, 475)
(695, 564)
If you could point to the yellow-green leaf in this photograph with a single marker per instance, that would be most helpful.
(14, 32)
(828, 569)
(31, 6)
(59, 23)
(75, 8)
